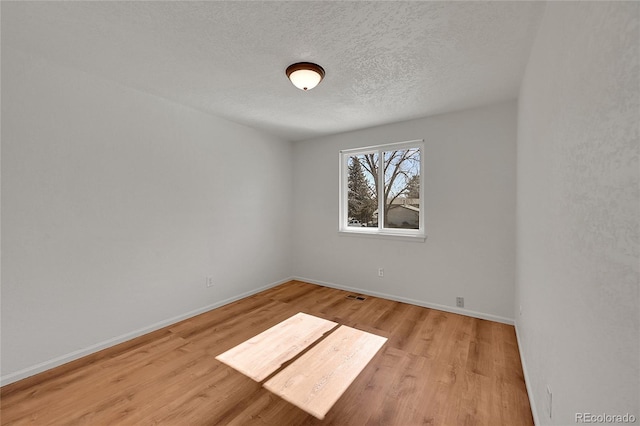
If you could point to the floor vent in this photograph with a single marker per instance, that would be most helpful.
(356, 297)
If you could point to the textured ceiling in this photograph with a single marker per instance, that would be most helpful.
(385, 61)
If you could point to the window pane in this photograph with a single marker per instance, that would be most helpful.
(402, 188)
(362, 170)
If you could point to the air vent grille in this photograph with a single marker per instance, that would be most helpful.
(356, 297)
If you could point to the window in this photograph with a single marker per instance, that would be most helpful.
(381, 190)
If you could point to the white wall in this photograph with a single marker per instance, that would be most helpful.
(470, 215)
(578, 212)
(117, 204)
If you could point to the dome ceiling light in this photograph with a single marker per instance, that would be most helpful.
(305, 75)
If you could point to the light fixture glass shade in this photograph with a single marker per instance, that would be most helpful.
(305, 79)
(305, 75)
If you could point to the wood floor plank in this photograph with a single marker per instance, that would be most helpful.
(370, 389)
(436, 368)
(316, 380)
(265, 353)
(110, 374)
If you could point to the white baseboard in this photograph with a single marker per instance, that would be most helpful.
(63, 359)
(424, 304)
(527, 383)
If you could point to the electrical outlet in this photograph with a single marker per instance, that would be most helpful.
(209, 281)
(460, 302)
(381, 272)
(549, 401)
(520, 310)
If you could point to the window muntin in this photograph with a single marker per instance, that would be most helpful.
(381, 189)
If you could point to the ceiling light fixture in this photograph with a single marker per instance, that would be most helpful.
(305, 75)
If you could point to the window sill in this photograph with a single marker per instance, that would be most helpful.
(386, 235)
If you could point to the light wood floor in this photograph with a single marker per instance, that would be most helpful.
(437, 368)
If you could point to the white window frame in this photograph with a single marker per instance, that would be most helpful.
(380, 231)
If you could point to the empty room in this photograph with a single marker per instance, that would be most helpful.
(320, 212)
